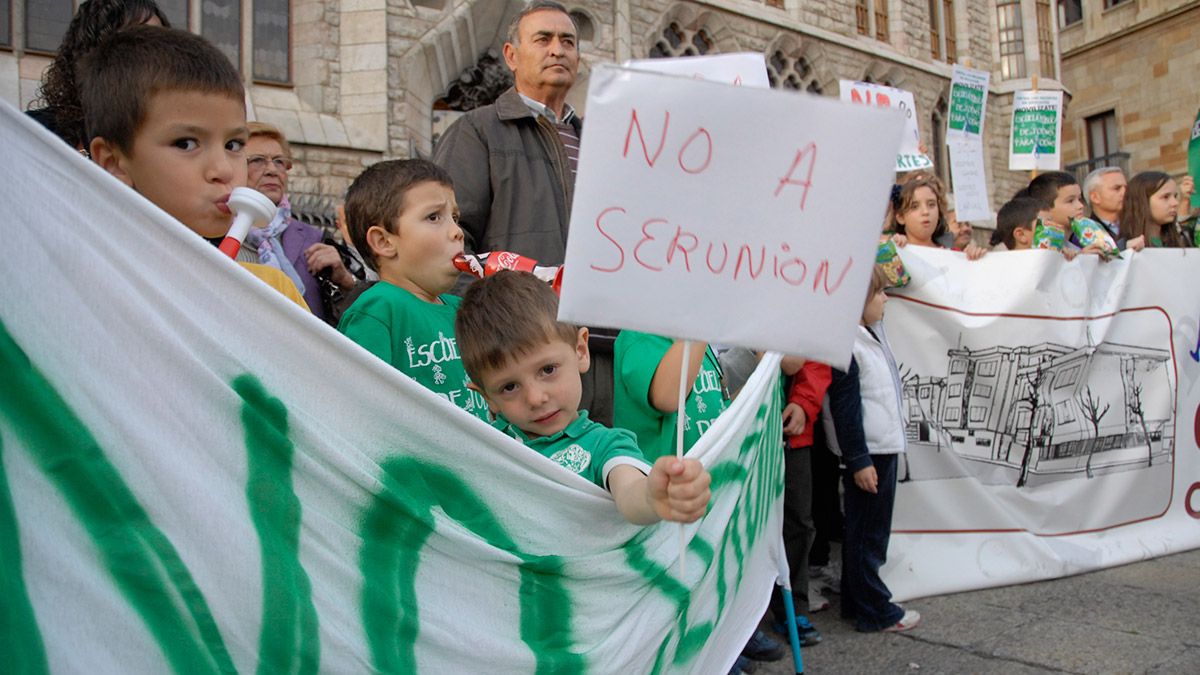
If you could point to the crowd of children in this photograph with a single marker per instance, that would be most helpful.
(164, 113)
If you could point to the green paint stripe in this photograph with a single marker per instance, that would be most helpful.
(288, 640)
(143, 563)
(396, 526)
(20, 640)
(703, 549)
(392, 534)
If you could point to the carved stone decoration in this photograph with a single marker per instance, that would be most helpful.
(480, 84)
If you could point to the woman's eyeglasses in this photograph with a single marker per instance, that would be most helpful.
(259, 163)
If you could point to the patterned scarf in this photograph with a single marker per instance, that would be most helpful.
(269, 245)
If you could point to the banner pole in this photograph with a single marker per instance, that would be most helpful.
(789, 606)
(1034, 174)
(680, 414)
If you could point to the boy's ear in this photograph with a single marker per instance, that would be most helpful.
(110, 158)
(1023, 235)
(581, 349)
(479, 390)
(380, 242)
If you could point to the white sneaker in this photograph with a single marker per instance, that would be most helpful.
(816, 601)
(910, 620)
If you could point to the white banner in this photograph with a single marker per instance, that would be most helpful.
(746, 69)
(198, 476)
(1051, 415)
(1036, 137)
(690, 220)
(909, 157)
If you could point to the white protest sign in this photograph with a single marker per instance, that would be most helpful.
(748, 69)
(909, 157)
(968, 103)
(971, 201)
(1036, 131)
(707, 212)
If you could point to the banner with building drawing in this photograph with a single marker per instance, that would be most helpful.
(1051, 412)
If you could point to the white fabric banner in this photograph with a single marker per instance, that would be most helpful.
(198, 476)
(1052, 412)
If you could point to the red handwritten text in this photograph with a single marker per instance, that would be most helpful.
(694, 156)
(882, 100)
(658, 245)
(809, 151)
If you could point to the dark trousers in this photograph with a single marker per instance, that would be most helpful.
(826, 499)
(865, 598)
(797, 526)
(598, 382)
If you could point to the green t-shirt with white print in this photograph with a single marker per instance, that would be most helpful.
(416, 337)
(635, 359)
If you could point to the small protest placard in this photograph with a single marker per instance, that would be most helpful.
(727, 214)
(968, 104)
(909, 156)
(747, 69)
(971, 201)
(1036, 131)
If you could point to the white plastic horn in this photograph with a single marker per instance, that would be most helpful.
(250, 208)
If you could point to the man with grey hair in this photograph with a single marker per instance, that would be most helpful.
(513, 162)
(1104, 189)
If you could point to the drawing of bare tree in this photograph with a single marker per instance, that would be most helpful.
(1135, 409)
(1093, 413)
(1034, 398)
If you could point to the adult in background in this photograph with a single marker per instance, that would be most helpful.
(1104, 189)
(60, 110)
(295, 248)
(514, 161)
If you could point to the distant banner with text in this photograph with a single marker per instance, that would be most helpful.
(1036, 131)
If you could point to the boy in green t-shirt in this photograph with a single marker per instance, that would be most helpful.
(403, 218)
(527, 365)
(646, 396)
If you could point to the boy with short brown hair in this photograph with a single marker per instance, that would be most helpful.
(165, 114)
(403, 219)
(527, 365)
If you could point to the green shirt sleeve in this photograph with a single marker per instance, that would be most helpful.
(619, 447)
(372, 334)
(639, 357)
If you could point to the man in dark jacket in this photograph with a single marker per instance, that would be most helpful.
(513, 164)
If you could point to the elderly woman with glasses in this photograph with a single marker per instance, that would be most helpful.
(294, 247)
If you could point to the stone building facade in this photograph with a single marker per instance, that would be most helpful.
(364, 80)
(1131, 68)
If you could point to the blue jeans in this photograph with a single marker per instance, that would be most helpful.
(865, 598)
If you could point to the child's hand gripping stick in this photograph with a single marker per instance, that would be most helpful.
(250, 208)
(486, 264)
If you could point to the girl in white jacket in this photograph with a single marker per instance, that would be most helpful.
(864, 404)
